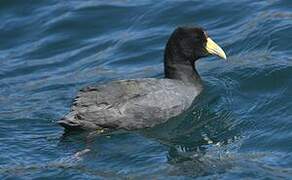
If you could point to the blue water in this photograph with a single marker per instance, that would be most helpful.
(240, 127)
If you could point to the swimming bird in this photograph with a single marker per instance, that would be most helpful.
(146, 102)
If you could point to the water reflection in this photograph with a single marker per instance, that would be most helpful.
(195, 141)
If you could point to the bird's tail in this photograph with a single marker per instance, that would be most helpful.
(72, 122)
(69, 122)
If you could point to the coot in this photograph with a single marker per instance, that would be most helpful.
(141, 103)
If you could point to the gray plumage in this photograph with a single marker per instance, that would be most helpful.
(130, 104)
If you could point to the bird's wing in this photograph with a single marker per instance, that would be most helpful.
(128, 104)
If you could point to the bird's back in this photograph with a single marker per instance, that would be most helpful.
(129, 104)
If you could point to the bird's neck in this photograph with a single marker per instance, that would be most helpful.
(186, 71)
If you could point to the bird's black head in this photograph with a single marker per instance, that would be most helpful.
(190, 44)
(184, 47)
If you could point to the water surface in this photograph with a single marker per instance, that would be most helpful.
(239, 127)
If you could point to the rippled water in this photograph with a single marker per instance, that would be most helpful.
(239, 127)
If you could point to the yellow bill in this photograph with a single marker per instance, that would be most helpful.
(214, 48)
